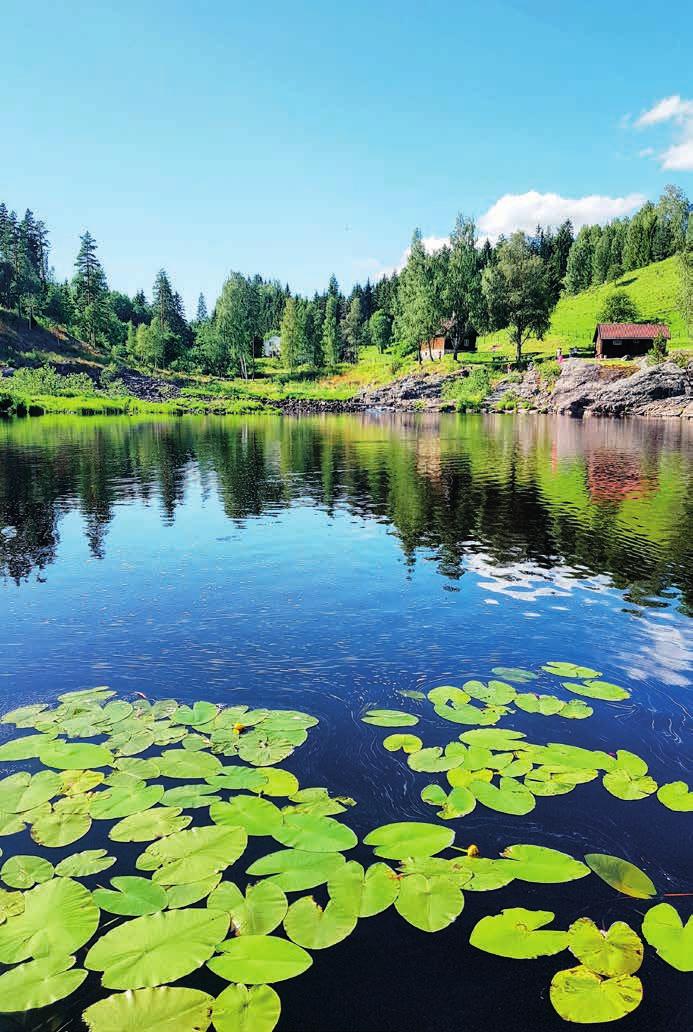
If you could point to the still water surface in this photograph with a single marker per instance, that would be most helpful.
(328, 563)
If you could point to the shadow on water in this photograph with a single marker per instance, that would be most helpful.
(327, 563)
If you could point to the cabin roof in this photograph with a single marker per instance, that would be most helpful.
(631, 331)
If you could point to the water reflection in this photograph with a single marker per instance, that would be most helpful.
(594, 497)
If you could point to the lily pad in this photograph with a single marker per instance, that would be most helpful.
(192, 855)
(196, 716)
(676, 796)
(570, 670)
(235, 778)
(60, 828)
(409, 838)
(510, 796)
(259, 912)
(458, 803)
(581, 996)
(598, 690)
(448, 693)
(23, 872)
(258, 816)
(407, 743)
(547, 705)
(288, 720)
(184, 764)
(389, 718)
(264, 750)
(191, 892)
(77, 782)
(11, 904)
(468, 714)
(116, 803)
(277, 782)
(81, 865)
(75, 755)
(295, 870)
(576, 709)
(481, 873)
(59, 917)
(621, 875)
(22, 791)
(495, 693)
(493, 738)
(38, 983)
(241, 1008)
(190, 797)
(156, 1010)
(666, 933)
(544, 865)
(158, 948)
(366, 893)
(622, 784)
(618, 951)
(519, 934)
(314, 834)
(131, 897)
(516, 674)
(308, 925)
(317, 801)
(256, 959)
(433, 760)
(430, 904)
(152, 824)
(25, 748)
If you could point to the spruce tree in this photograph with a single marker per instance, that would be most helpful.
(90, 291)
(330, 333)
(201, 315)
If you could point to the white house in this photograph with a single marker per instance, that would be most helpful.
(271, 347)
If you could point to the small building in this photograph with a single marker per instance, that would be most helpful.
(443, 343)
(272, 346)
(618, 340)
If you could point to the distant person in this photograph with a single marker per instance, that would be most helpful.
(559, 356)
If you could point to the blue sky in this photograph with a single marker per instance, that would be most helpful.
(298, 140)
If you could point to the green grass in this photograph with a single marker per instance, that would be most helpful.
(653, 288)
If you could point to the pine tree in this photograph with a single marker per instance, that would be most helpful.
(90, 291)
(354, 329)
(201, 315)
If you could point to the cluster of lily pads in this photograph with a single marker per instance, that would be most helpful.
(191, 785)
(497, 767)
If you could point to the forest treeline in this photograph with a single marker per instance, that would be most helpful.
(513, 284)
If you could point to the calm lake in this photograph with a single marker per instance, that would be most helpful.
(329, 563)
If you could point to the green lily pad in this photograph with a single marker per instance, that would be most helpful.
(131, 897)
(295, 870)
(88, 695)
(75, 755)
(570, 670)
(60, 828)
(666, 933)
(241, 1008)
(288, 720)
(116, 803)
(467, 714)
(314, 834)
(516, 674)
(557, 754)
(389, 718)
(81, 865)
(22, 791)
(510, 796)
(576, 709)
(25, 748)
(264, 749)
(157, 948)
(256, 959)
(407, 743)
(547, 705)
(460, 777)
(163, 709)
(408, 693)
(23, 872)
(192, 855)
(78, 782)
(235, 778)
(495, 693)
(317, 801)
(409, 838)
(430, 904)
(676, 796)
(152, 824)
(433, 760)
(516, 933)
(195, 742)
(24, 716)
(11, 904)
(581, 996)
(366, 893)
(277, 782)
(184, 764)
(308, 925)
(59, 917)
(156, 1010)
(143, 769)
(493, 738)
(38, 983)
(196, 716)
(598, 690)
(191, 892)
(129, 743)
(190, 797)
(258, 816)
(623, 785)
(482, 874)
(447, 693)
(458, 803)
(544, 865)
(259, 912)
(618, 951)
(621, 875)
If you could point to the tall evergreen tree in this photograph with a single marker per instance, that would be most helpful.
(330, 332)
(201, 315)
(90, 291)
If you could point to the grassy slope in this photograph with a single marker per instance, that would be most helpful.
(653, 288)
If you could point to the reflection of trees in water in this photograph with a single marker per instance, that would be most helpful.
(600, 496)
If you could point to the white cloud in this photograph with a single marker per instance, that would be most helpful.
(526, 211)
(431, 245)
(646, 152)
(678, 156)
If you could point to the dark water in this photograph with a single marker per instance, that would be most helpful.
(326, 563)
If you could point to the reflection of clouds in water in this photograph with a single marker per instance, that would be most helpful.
(525, 581)
(666, 653)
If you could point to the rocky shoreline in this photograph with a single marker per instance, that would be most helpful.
(582, 389)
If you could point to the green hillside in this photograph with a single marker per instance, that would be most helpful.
(654, 289)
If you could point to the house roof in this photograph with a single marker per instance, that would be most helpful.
(631, 331)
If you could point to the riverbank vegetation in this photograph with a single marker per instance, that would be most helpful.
(526, 297)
